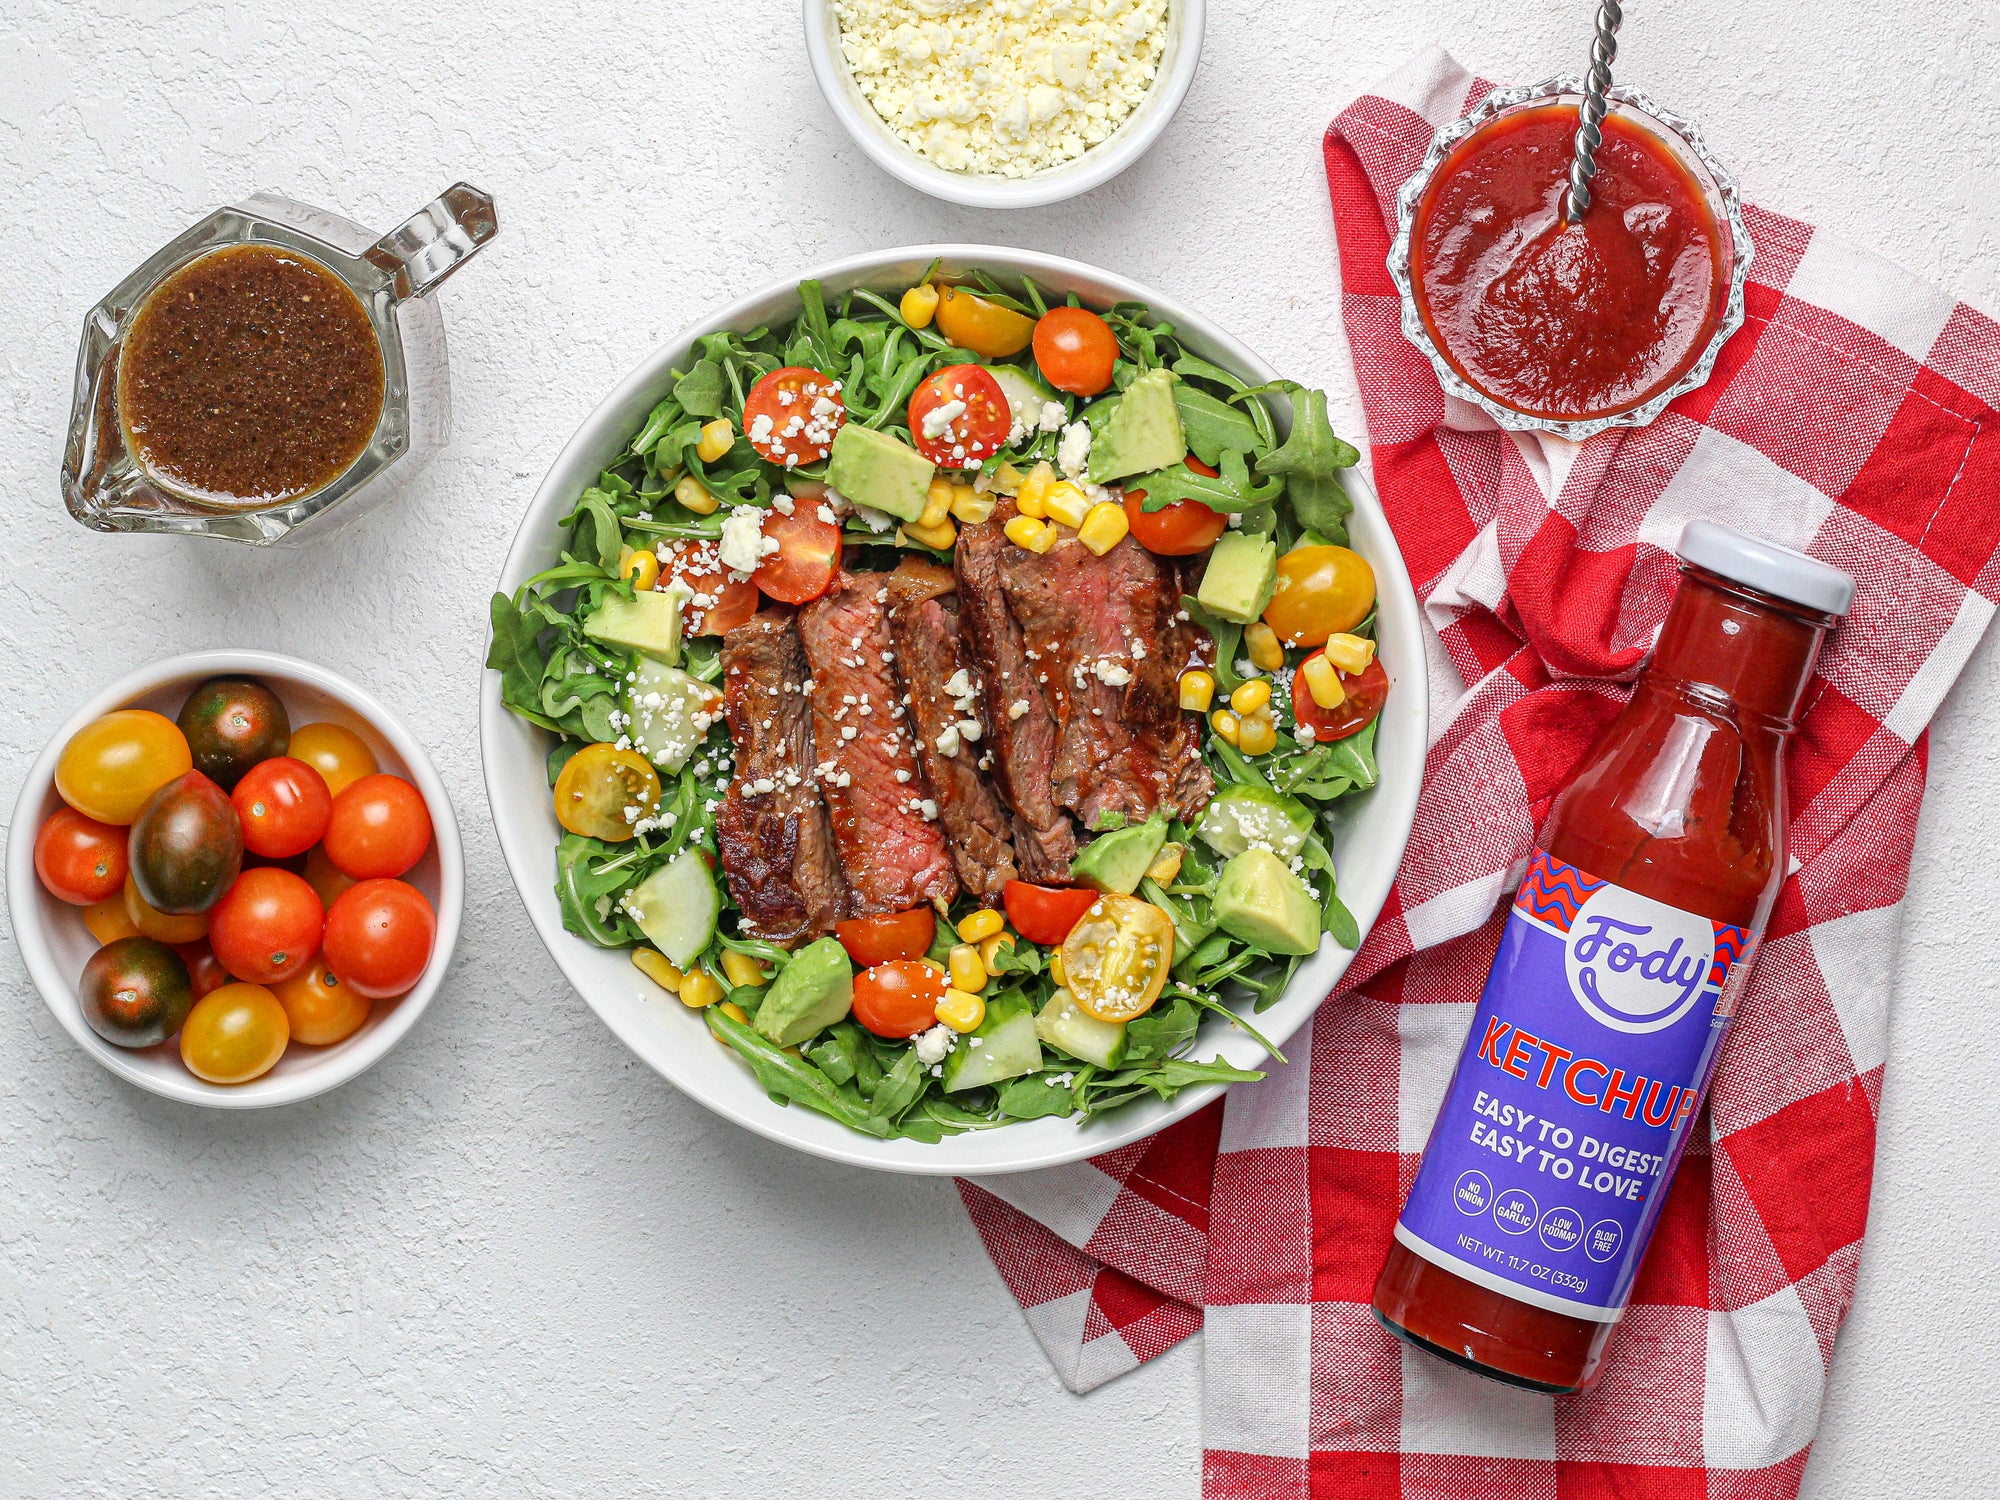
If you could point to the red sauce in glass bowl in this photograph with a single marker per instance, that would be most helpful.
(1560, 320)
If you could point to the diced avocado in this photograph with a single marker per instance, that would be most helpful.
(1006, 1048)
(1259, 901)
(1238, 817)
(676, 907)
(668, 713)
(815, 989)
(1242, 575)
(1143, 432)
(649, 624)
(1063, 1024)
(1025, 394)
(873, 469)
(1118, 861)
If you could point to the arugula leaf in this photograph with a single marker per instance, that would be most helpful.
(784, 1076)
(1228, 636)
(590, 875)
(1309, 460)
(1212, 427)
(1160, 1032)
(517, 656)
(700, 390)
(1035, 1096)
(597, 534)
(898, 1091)
(658, 424)
(1330, 769)
(1231, 492)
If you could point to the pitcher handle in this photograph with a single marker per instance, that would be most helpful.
(436, 240)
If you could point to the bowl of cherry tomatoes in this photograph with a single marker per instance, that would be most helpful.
(235, 878)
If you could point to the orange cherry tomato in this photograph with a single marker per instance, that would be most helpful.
(1044, 913)
(319, 1007)
(1322, 591)
(80, 860)
(1075, 350)
(340, 755)
(324, 877)
(972, 417)
(268, 927)
(986, 328)
(807, 559)
(899, 998)
(108, 920)
(792, 414)
(878, 940)
(162, 926)
(1178, 530)
(720, 603)
(1367, 690)
(379, 827)
(379, 937)
(284, 806)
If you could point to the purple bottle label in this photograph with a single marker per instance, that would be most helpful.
(1588, 1054)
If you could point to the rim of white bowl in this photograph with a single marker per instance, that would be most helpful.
(338, 1064)
(1097, 166)
(1030, 1144)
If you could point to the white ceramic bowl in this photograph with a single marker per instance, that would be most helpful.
(1102, 162)
(673, 1040)
(51, 934)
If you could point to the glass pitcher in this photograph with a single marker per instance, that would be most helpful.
(108, 488)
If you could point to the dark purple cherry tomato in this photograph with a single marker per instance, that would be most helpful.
(187, 846)
(231, 723)
(135, 992)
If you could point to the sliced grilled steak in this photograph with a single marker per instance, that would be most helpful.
(894, 857)
(943, 690)
(1020, 724)
(772, 831)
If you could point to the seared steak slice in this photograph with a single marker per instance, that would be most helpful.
(943, 692)
(1021, 728)
(772, 833)
(894, 857)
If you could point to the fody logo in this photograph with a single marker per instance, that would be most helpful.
(1636, 964)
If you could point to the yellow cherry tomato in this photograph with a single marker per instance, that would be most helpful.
(335, 751)
(162, 926)
(234, 1034)
(1115, 959)
(602, 791)
(113, 764)
(108, 921)
(1322, 591)
(319, 1008)
(986, 328)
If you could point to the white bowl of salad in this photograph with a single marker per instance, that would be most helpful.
(956, 711)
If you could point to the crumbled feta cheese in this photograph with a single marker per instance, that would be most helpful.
(1051, 417)
(1110, 673)
(932, 1045)
(1073, 451)
(1304, 733)
(1018, 707)
(947, 741)
(938, 420)
(744, 544)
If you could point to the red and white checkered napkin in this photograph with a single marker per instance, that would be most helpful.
(1853, 417)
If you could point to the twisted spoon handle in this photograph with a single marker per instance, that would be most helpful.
(1603, 49)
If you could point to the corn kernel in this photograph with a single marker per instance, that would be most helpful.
(1350, 653)
(699, 989)
(1262, 646)
(919, 305)
(967, 972)
(1257, 734)
(935, 967)
(980, 925)
(1225, 724)
(658, 968)
(1251, 696)
(937, 503)
(970, 507)
(939, 537)
(744, 971)
(1104, 527)
(1323, 681)
(1007, 479)
(736, 1013)
(643, 568)
(1034, 488)
(1026, 531)
(1066, 503)
(693, 496)
(989, 950)
(1163, 870)
(1197, 690)
(1056, 966)
(961, 1011)
(717, 438)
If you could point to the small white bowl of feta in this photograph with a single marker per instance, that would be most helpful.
(1004, 103)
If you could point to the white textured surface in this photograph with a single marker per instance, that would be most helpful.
(510, 1258)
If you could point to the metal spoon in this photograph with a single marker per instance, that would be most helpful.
(1603, 49)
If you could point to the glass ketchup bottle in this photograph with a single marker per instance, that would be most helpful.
(1627, 944)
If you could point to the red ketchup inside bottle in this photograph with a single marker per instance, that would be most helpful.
(1566, 320)
(1628, 940)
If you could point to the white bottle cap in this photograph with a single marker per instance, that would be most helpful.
(1766, 567)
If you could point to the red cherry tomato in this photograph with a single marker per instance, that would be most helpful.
(379, 828)
(267, 927)
(1044, 913)
(1366, 692)
(972, 421)
(1178, 530)
(899, 998)
(720, 603)
(379, 936)
(205, 971)
(80, 860)
(878, 940)
(792, 414)
(1075, 350)
(807, 558)
(284, 806)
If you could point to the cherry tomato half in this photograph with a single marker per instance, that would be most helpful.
(1044, 913)
(1075, 350)
(899, 998)
(379, 937)
(1322, 591)
(986, 328)
(113, 764)
(80, 860)
(959, 417)
(595, 789)
(340, 755)
(878, 940)
(235, 1034)
(1178, 530)
(807, 559)
(720, 603)
(284, 806)
(792, 414)
(1115, 960)
(268, 927)
(1367, 690)
(379, 827)
(319, 1007)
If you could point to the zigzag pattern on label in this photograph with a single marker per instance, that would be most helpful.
(1553, 892)
(1730, 941)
